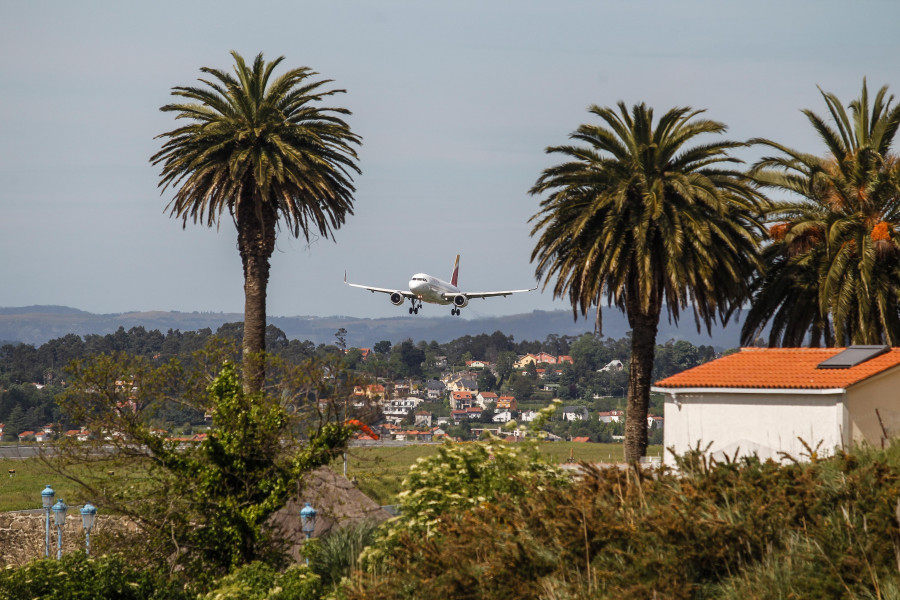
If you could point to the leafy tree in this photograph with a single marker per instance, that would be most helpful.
(202, 506)
(523, 386)
(407, 359)
(504, 366)
(353, 358)
(264, 152)
(382, 347)
(676, 356)
(462, 431)
(487, 381)
(644, 218)
(833, 266)
(341, 336)
(17, 422)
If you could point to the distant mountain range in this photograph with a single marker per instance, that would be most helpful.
(38, 324)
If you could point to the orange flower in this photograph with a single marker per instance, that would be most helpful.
(357, 424)
(778, 231)
(881, 231)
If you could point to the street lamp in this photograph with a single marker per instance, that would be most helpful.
(59, 515)
(47, 498)
(308, 521)
(88, 514)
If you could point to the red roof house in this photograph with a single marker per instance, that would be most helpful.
(777, 401)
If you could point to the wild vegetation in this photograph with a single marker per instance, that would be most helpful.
(744, 529)
(201, 506)
(641, 215)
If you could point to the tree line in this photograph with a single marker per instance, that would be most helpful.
(24, 406)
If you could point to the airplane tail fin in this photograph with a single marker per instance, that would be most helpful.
(455, 275)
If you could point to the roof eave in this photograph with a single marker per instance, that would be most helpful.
(741, 390)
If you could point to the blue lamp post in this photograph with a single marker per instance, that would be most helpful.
(88, 514)
(47, 498)
(59, 515)
(308, 521)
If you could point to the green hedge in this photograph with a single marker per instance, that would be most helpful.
(78, 577)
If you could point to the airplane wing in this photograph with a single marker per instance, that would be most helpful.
(406, 294)
(471, 295)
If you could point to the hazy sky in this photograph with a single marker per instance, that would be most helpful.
(455, 102)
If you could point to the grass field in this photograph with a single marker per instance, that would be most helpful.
(378, 471)
(22, 491)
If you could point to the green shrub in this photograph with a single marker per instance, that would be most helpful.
(336, 555)
(259, 581)
(77, 577)
(743, 529)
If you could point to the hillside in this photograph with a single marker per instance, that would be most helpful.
(38, 324)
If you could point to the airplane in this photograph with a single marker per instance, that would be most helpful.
(425, 288)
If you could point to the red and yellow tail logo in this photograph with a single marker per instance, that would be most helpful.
(455, 272)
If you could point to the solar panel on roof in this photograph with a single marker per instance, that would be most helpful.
(852, 356)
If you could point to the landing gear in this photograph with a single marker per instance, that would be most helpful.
(454, 311)
(416, 305)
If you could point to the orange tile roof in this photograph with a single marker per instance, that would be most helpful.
(779, 368)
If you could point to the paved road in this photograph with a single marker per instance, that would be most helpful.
(16, 451)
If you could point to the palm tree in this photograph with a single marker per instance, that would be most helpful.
(641, 216)
(833, 268)
(262, 150)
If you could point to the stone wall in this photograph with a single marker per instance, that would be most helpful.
(22, 534)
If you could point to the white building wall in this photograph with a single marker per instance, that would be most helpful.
(747, 423)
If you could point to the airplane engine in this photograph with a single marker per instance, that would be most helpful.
(460, 300)
(396, 298)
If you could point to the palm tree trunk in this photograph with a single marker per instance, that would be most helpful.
(643, 348)
(256, 241)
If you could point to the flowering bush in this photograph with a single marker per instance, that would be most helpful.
(259, 581)
(460, 477)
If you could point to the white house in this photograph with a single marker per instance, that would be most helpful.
(485, 398)
(574, 413)
(613, 365)
(477, 364)
(423, 418)
(397, 410)
(503, 416)
(527, 416)
(766, 400)
(611, 416)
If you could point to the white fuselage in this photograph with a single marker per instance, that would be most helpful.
(431, 289)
